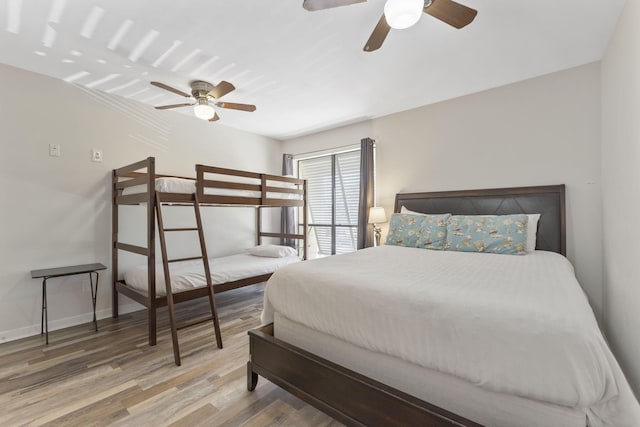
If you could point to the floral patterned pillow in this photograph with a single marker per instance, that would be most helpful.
(418, 231)
(501, 234)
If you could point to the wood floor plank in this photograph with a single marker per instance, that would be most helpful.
(277, 413)
(196, 418)
(59, 411)
(103, 412)
(172, 382)
(114, 378)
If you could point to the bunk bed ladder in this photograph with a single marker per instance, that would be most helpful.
(165, 262)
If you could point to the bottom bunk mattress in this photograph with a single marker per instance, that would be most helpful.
(507, 324)
(187, 275)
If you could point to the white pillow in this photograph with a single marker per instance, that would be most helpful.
(404, 210)
(272, 251)
(532, 228)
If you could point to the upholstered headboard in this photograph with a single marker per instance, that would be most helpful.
(546, 200)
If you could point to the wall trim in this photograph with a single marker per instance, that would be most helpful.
(54, 325)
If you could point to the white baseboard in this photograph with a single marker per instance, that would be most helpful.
(29, 331)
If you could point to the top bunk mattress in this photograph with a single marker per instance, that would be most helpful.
(188, 186)
(166, 185)
(510, 324)
(188, 275)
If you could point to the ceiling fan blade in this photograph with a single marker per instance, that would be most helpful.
(214, 118)
(233, 106)
(377, 37)
(312, 5)
(170, 89)
(451, 13)
(221, 90)
(166, 107)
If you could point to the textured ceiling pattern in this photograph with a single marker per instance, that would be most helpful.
(305, 71)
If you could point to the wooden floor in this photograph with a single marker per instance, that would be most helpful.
(113, 377)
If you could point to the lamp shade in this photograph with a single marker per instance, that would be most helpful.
(401, 14)
(203, 110)
(377, 215)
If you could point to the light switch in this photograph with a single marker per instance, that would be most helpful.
(54, 150)
(96, 155)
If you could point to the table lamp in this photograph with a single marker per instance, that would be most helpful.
(377, 216)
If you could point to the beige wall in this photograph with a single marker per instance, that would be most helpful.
(540, 131)
(621, 190)
(57, 211)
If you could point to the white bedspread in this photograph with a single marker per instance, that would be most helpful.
(511, 324)
(187, 275)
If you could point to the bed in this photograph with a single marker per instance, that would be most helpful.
(162, 281)
(404, 336)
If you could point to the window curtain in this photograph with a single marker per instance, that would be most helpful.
(367, 183)
(288, 215)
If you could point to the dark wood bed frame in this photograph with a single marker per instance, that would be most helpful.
(144, 173)
(358, 400)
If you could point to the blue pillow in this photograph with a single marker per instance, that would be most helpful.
(418, 231)
(501, 234)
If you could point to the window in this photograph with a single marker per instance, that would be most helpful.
(333, 192)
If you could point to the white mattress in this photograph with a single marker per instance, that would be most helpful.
(190, 274)
(188, 186)
(518, 325)
(449, 392)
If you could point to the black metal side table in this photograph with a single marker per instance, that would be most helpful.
(72, 270)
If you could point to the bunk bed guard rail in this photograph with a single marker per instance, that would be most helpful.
(215, 185)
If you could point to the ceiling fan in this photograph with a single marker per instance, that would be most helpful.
(201, 92)
(400, 14)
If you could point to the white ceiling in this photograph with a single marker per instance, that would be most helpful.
(305, 71)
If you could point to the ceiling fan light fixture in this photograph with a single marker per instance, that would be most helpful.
(401, 14)
(203, 110)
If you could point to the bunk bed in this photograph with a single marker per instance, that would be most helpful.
(139, 184)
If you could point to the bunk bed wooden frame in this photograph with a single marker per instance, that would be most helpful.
(143, 173)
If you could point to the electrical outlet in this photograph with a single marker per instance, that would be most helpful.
(96, 155)
(54, 150)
